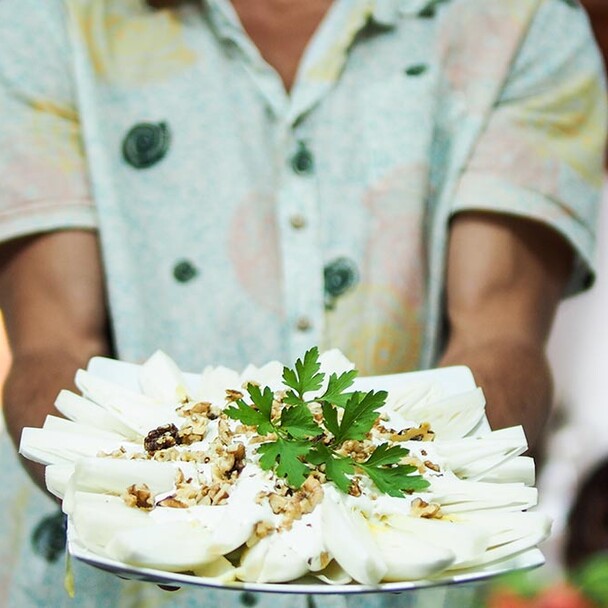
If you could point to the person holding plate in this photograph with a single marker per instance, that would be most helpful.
(414, 182)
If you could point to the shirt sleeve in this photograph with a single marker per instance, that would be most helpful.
(43, 175)
(540, 155)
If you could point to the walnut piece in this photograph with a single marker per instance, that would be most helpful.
(432, 466)
(355, 489)
(294, 504)
(233, 395)
(194, 430)
(261, 530)
(415, 462)
(161, 438)
(119, 453)
(138, 497)
(198, 408)
(422, 432)
(173, 503)
(359, 451)
(426, 510)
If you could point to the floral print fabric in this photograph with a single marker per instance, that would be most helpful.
(241, 224)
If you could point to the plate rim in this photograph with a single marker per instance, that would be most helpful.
(526, 560)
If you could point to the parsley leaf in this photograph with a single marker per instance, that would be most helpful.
(250, 416)
(306, 376)
(258, 415)
(330, 417)
(337, 385)
(288, 455)
(262, 400)
(298, 421)
(336, 467)
(360, 413)
(384, 454)
(392, 480)
(395, 481)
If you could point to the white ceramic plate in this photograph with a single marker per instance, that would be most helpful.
(453, 380)
(309, 585)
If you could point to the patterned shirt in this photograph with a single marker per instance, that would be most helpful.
(241, 224)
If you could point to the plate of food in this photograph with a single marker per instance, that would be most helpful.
(302, 479)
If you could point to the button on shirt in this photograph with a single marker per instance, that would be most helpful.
(218, 227)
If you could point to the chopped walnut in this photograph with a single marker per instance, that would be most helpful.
(228, 461)
(422, 432)
(138, 497)
(415, 462)
(276, 409)
(319, 475)
(426, 510)
(193, 431)
(432, 466)
(119, 453)
(355, 489)
(233, 395)
(238, 450)
(194, 456)
(261, 497)
(160, 438)
(278, 503)
(316, 410)
(381, 429)
(262, 438)
(172, 503)
(223, 430)
(201, 408)
(294, 504)
(167, 455)
(219, 493)
(310, 494)
(359, 451)
(261, 530)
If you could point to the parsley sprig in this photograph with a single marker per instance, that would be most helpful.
(301, 444)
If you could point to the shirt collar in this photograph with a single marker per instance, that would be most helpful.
(387, 12)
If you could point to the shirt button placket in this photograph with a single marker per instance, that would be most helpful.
(301, 248)
(302, 162)
(297, 221)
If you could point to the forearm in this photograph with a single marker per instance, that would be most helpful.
(31, 387)
(516, 381)
(52, 297)
(505, 279)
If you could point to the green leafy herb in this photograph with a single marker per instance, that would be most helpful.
(384, 454)
(306, 376)
(337, 385)
(396, 481)
(301, 444)
(360, 413)
(251, 417)
(287, 455)
(392, 478)
(299, 422)
(336, 467)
